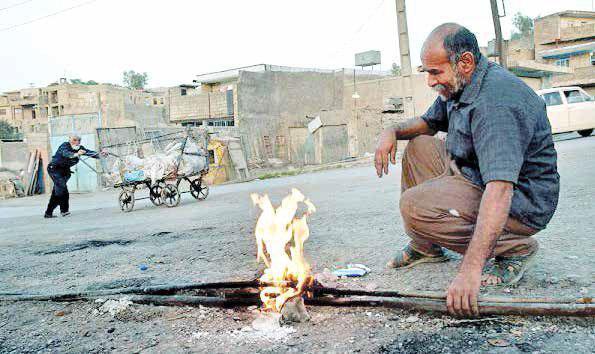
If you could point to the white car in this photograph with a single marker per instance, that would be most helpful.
(569, 109)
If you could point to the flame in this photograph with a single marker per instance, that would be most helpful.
(280, 237)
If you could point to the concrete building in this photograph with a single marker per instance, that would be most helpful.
(567, 39)
(521, 60)
(46, 116)
(30, 109)
(269, 108)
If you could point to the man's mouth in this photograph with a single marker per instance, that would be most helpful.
(443, 91)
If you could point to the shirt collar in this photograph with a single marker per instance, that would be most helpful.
(471, 91)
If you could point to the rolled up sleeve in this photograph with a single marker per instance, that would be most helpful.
(90, 153)
(501, 135)
(436, 116)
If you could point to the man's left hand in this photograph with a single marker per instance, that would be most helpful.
(461, 297)
(104, 153)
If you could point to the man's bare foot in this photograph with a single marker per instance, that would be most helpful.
(408, 257)
(490, 280)
(507, 271)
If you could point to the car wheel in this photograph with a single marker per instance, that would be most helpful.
(585, 132)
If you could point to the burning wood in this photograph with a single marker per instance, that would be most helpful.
(280, 237)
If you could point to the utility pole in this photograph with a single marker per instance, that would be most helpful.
(403, 38)
(407, 86)
(498, 30)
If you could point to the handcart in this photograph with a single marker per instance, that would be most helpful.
(166, 189)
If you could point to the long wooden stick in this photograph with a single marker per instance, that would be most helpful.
(412, 304)
(485, 308)
(153, 290)
(419, 301)
(440, 295)
(169, 289)
(423, 305)
(183, 300)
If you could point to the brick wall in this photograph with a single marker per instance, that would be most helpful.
(189, 107)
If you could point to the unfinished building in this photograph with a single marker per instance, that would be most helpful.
(567, 39)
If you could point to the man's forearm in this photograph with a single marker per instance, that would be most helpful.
(493, 214)
(92, 153)
(411, 128)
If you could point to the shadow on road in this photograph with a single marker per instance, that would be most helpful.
(569, 136)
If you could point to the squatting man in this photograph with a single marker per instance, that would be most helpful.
(67, 155)
(486, 190)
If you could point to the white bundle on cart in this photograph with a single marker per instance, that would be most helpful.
(158, 166)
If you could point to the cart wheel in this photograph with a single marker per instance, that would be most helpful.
(126, 200)
(170, 195)
(199, 190)
(155, 194)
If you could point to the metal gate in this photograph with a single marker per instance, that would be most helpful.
(84, 179)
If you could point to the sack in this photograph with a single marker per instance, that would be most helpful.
(134, 176)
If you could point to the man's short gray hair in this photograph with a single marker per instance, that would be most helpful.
(456, 40)
(74, 136)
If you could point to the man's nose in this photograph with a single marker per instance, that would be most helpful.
(432, 81)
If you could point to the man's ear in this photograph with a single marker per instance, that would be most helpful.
(467, 62)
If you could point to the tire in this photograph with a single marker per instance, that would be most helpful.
(585, 133)
(198, 189)
(170, 196)
(155, 194)
(126, 201)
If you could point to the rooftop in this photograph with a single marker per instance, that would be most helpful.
(571, 13)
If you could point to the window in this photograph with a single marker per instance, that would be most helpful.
(192, 124)
(33, 115)
(552, 98)
(565, 62)
(592, 58)
(221, 123)
(2, 112)
(183, 92)
(574, 96)
(586, 97)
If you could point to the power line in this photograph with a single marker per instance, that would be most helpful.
(46, 16)
(14, 5)
(359, 29)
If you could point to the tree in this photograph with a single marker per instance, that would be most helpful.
(81, 82)
(395, 70)
(523, 26)
(135, 80)
(6, 130)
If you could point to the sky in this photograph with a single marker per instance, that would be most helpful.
(175, 40)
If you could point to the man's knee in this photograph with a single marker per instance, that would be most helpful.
(409, 206)
(419, 144)
(60, 188)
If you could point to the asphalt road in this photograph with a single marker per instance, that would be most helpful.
(357, 222)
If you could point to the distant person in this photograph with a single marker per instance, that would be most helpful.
(66, 156)
(491, 186)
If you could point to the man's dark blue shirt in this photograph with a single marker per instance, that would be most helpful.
(66, 157)
(498, 130)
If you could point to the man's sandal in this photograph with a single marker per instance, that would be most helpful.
(409, 257)
(509, 270)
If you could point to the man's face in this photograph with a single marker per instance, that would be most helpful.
(443, 77)
(75, 142)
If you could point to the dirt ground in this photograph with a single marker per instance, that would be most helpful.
(357, 222)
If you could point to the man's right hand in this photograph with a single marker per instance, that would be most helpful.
(81, 152)
(386, 149)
